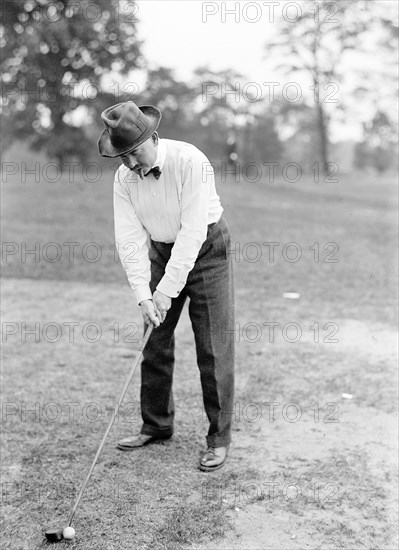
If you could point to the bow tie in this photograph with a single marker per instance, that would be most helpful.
(156, 172)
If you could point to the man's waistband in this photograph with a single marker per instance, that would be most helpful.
(214, 223)
(210, 226)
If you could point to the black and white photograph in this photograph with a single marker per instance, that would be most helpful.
(199, 274)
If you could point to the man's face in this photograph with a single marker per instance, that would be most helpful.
(142, 158)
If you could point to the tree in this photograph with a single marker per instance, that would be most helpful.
(379, 146)
(297, 128)
(55, 54)
(313, 41)
(236, 126)
(174, 99)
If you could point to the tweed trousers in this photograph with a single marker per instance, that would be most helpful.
(210, 289)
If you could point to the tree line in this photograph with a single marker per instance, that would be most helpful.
(56, 66)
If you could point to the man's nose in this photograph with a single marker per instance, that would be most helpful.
(130, 163)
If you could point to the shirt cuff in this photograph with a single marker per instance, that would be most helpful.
(143, 293)
(170, 288)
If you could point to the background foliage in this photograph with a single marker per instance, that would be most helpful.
(64, 61)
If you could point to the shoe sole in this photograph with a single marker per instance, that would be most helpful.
(204, 468)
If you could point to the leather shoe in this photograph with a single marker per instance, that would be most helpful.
(213, 459)
(137, 441)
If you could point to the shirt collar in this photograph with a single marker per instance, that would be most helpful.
(161, 154)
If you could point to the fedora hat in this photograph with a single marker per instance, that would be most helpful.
(127, 126)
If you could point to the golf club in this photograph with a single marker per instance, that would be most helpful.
(56, 535)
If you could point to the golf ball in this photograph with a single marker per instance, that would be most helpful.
(68, 533)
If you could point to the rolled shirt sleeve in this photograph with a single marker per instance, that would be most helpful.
(131, 240)
(197, 181)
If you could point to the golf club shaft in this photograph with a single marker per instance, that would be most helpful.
(128, 380)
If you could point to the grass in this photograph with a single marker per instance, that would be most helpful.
(359, 216)
(192, 523)
(53, 392)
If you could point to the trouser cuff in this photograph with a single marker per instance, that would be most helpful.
(214, 441)
(156, 432)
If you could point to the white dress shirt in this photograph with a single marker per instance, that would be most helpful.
(176, 208)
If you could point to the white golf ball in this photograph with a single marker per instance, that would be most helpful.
(68, 533)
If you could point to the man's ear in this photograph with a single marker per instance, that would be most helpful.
(155, 138)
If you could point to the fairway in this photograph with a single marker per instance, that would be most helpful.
(313, 462)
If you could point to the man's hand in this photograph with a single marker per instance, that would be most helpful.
(148, 312)
(162, 304)
(155, 310)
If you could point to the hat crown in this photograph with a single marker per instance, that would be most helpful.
(127, 126)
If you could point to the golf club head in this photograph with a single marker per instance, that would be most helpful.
(54, 535)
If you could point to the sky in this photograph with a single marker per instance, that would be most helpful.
(185, 34)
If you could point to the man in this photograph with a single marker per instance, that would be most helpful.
(164, 193)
